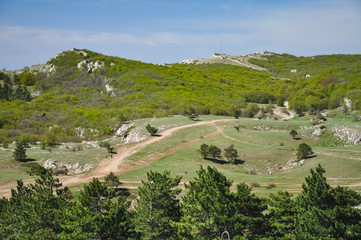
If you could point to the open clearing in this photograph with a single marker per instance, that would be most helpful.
(265, 146)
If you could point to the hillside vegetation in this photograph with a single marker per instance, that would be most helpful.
(81, 94)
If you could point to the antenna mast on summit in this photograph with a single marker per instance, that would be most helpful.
(221, 48)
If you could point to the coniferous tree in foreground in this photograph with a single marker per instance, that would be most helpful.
(157, 206)
(207, 207)
(281, 215)
(324, 212)
(210, 208)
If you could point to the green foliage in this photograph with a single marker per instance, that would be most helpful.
(36, 169)
(157, 206)
(74, 98)
(231, 154)
(191, 114)
(27, 78)
(282, 214)
(112, 180)
(293, 133)
(214, 152)
(97, 215)
(33, 211)
(206, 207)
(209, 208)
(152, 130)
(326, 212)
(204, 151)
(107, 145)
(44, 210)
(94, 196)
(20, 151)
(303, 151)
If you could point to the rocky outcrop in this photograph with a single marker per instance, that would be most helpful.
(240, 60)
(347, 135)
(90, 66)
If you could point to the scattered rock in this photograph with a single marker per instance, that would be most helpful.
(66, 168)
(347, 135)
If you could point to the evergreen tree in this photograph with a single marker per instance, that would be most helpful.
(324, 212)
(282, 213)
(293, 133)
(214, 152)
(112, 180)
(7, 89)
(98, 215)
(116, 223)
(204, 151)
(303, 151)
(208, 207)
(231, 154)
(152, 130)
(157, 206)
(20, 151)
(107, 145)
(33, 211)
(94, 196)
(249, 220)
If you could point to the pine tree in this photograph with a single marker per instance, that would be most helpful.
(214, 151)
(207, 208)
(281, 215)
(248, 220)
(293, 133)
(20, 152)
(326, 212)
(33, 211)
(112, 180)
(303, 151)
(204, 151)
(157, 206)
(152, 130)
(231, 154)
(94, 196)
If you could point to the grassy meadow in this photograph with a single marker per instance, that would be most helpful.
(265, 148)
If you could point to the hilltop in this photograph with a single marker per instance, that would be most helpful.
(240, 60)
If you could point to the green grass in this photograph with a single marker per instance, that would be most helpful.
(176, 139)
(259, 149)
(10, 170)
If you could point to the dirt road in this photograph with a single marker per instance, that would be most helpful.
(115, 165)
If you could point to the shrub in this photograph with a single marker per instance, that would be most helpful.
(255, 184)
(107, 145)
(152, 130)
(36, 169)
(271, 185)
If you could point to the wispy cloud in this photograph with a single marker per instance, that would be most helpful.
(330, 27)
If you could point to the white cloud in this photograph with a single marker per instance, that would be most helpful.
(306, 30)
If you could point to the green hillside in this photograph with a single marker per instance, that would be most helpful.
(81, 94)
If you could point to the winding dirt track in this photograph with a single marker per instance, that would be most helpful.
(117, 163)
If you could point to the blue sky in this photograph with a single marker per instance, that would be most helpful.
(160, 31)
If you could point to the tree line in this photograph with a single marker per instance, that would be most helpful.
(45, 210)
(13, 89)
